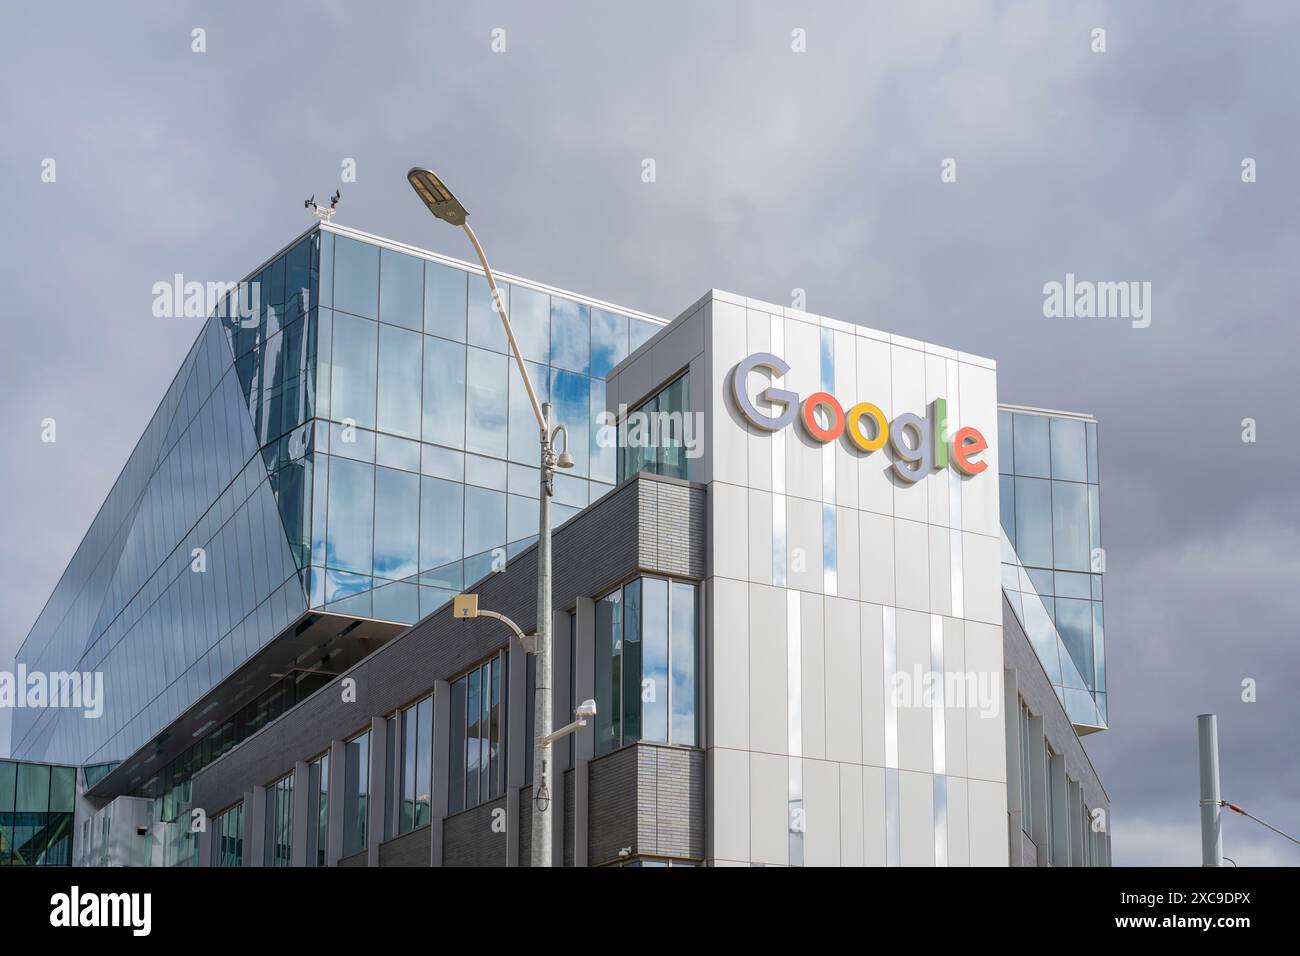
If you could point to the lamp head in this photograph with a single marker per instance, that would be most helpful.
(436, 196)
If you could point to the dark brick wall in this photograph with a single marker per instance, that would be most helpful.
(648, 523)
(409, 849)
(649, 798)
(1034, 687)
(356, 859)
(469, 840)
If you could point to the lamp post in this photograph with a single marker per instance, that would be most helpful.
(445, 206)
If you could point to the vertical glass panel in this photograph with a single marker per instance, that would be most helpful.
(352, 370)
(356, 277)
(530, 317)
(1074, 623)
(608, 341)
(609, 676)
(356, 794)
(1092, 452)
(683, 656)
(1006, 448)
(63, 790)
(1007, 505)
(351, 516)
(326, 269)
(494, 730)
(604, 437)
(485, 733)
(33, 789)
(525, 448)
(397, 523)
(424, 762)
(444, 301)
(570, 335)
(521, 518)
(1070, 526)
(485, 329)
(655, 687)
(444, 393)
(473, 761)
(638, 692)
(487, 403)
(1094, 526)
(674, 407)
(456, 748)
(399, 381)
(442, 510)
(1069, 449)
(1033, 449)
(401, 288)
(1034, 522)
(571, 402)
(485, 520)
(408, 769)
(640, 332)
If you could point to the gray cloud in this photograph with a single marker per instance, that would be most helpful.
(775, 171)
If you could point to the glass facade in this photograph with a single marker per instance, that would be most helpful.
(1052, 560)
(279, 822)
(646, 658)
(477, 765)
(36, 808)
(360, 442)
(656, 429)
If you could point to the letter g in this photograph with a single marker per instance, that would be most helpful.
(774, 396)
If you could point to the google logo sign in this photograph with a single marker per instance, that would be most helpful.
(918, 444)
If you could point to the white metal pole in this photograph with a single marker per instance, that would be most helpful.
(1207, 728)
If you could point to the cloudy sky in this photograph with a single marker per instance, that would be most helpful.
(776, 170)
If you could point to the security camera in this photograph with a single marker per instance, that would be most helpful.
(586, 710)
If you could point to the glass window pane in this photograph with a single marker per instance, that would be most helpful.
(1070, 526)
(351, 515)
(401, 289)
(487, 403)
(640, 332)
(356, 277)
(397, 523)
(1034, 522)
(399, 381)
(444, 393)
(352, 370)
(683, 664)
(473, 712)
(494, 730)
(1069, 449)
(571, 407)
(604, 438)
(408, 769)
(525, 448)
(609, 677)
(424, 762)
(485, 520)
(442, 509)
(1033, 453)
(33, 789)
(570, 335)
(608, 341)
(1006, 448)
(485, 329)
(444, 301)
(530, 317)
(641, 692)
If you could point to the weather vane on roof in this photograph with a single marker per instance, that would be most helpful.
(324, 213)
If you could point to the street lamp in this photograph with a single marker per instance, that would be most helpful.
(438, 198)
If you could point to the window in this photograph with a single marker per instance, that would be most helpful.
(318, 800)
(279, 822)
(356, 793)
(415, 769)
(654, 438)
(646, 647)
(477, 772)
(230, 836)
